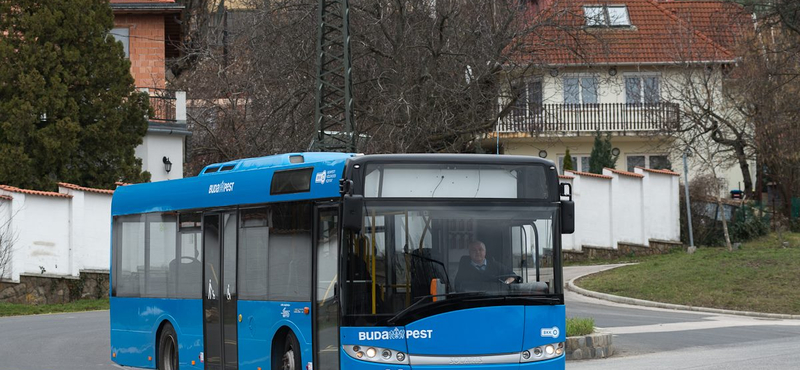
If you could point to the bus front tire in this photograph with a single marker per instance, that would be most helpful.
(167, 356)
(287, 357)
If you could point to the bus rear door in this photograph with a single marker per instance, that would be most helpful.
(219, 298)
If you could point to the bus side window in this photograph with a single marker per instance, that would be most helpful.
(129, 255)
(188, 265)
(254, 236)
(290, 252)
(161, 245)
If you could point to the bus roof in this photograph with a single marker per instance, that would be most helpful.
(249, 181)
(243, 181)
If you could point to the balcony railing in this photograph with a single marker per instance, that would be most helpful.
(591, 117)
(168, 105)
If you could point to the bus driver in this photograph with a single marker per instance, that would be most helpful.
(477, 269)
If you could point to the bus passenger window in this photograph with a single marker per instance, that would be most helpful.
(253, 246)
(189, 272)
(162, 269)
(290, 252)
(129, 272)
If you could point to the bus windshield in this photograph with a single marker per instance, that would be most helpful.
(417, 255)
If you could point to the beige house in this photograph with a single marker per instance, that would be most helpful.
(621, 72)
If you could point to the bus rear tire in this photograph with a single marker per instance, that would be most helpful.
(167, 355)
(287, 356)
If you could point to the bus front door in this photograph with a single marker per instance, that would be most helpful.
(326, 307)
(219, 296)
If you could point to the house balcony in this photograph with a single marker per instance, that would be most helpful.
(169, 106)
(587, 119)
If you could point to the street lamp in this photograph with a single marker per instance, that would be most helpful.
(167, 164)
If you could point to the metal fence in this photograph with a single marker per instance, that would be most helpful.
(163, 103)
(591, 117)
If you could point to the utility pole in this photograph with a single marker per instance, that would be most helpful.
(333, 119)
(688, 203)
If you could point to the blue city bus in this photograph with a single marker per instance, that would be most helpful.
(323, 261)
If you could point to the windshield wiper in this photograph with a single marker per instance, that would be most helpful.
(423, 298)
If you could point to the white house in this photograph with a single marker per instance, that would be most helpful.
(619, 68)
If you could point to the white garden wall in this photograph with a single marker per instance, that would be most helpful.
(55, 234)
(623, 207)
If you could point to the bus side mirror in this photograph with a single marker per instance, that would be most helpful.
(353, 212)
(567, 217)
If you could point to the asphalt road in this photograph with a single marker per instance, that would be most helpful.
(72, 341)
(645, 338)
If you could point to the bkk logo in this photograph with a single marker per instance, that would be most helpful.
(550, 332)
(325, 177)
(395, 333)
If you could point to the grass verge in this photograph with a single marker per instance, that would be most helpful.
(17, 309)
(577, 326)
(761, 276)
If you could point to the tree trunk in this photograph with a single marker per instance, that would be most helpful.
(745, 167)
(724, 224)
(759, 195)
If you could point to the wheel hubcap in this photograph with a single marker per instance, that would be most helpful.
(288, 360)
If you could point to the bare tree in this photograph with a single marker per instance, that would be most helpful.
(705, 80)
(251, 92)
(712, 109)
(8, 239)
(428, 75)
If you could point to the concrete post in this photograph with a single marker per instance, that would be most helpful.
(180, 106)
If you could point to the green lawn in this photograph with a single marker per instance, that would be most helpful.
(762, 276)
(16, 309)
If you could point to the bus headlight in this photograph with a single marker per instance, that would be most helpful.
(541, 353)
(387, 356)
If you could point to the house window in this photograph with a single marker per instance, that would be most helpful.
(654, 161)
(579, 163)
(606, 16)
(580, 90)
(642, 89)
(529, 101)
(122, 34)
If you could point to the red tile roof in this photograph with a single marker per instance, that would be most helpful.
(727, 23)
(566, 177)
(625, 173)
(589, 174)
(81, 188)
(6, 197)
(663, 172)
(656, 36)
(34, 192)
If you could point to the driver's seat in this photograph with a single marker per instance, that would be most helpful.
(423, 270)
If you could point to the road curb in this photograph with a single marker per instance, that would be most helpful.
(641, 302)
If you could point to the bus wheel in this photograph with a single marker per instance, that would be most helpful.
(290, 360)
(167, 349)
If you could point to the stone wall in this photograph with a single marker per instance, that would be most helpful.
(596, 345)
(48, 289)
(623, 250)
